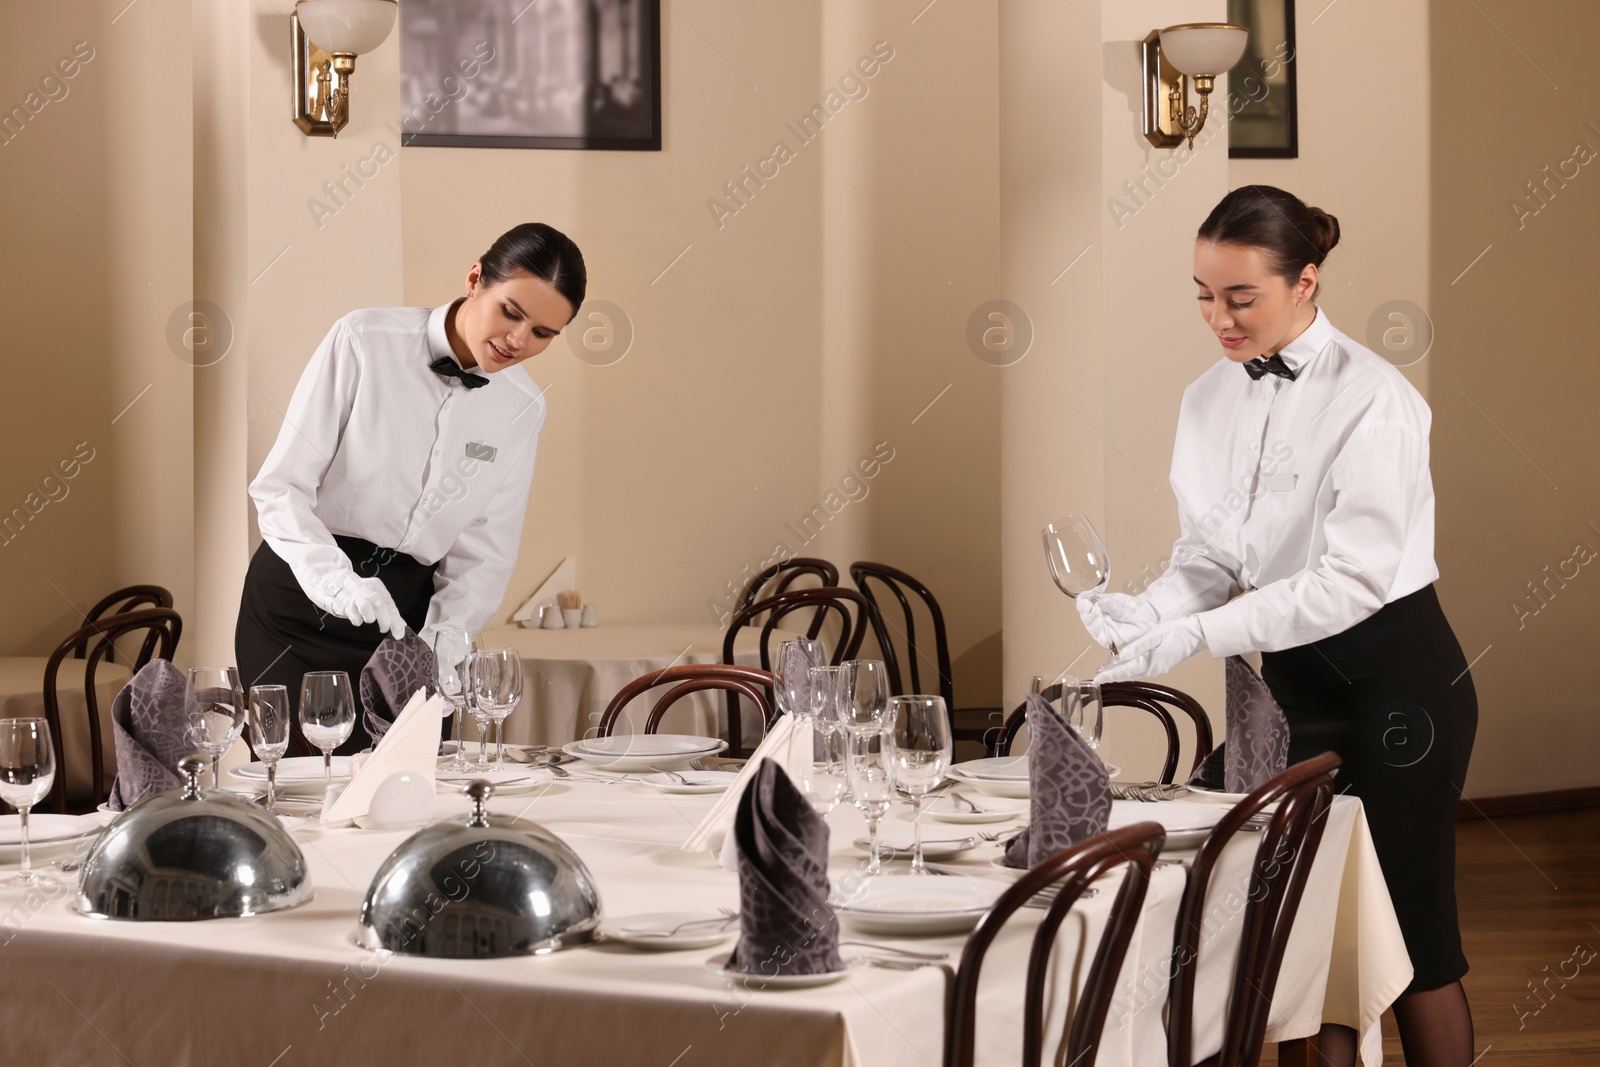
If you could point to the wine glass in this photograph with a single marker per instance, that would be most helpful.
(822, 779)
(327, 715)
(1082, 710)
(269, 732)
(920, 731)
(1078, 559)
(27, 771)
(217, 716)
(871, 777)
(866, 693)
(793, 671)
(451, 649)
(496, 675)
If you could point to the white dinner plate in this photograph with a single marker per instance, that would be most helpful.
(911, 905)
(515, 780)
(719, 964)
(936, 844)
(1004, 787)
(298, 776)
(697, 781)
(643, 752)
(662, 931)
(990, 809)
(49, 836)
(1187, 824)
(1004, 768)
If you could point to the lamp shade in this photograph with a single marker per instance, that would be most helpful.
(354, 26)
(1198, 49)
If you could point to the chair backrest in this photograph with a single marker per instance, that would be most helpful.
(782, 577)
(125, 600)
(1137, 846)
(687, 678)
(1283, 861)
(855, 615)
(1147, 696)
(163, 628)
(908, 650)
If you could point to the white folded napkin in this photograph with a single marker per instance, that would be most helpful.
(714, 831)
(412, 744)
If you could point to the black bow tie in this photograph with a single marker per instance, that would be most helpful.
(446, 367)
(1257, 367)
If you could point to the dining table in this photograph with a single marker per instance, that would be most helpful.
(22, 696)
(294, 988)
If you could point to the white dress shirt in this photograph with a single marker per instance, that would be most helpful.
(1312, 498)
(376, 445)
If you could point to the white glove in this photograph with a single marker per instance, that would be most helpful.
(1157, 652)
(360, 600)
(1116, 618)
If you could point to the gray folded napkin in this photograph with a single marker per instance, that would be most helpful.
(1069, 789)
(391, 678)
(150, 731)
(785, 924)
(1257, 742)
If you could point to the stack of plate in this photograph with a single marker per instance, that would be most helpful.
(911, 905)
(298, 776)
(1186, 824)
(1002, 776)
(49, 836)
(644, 752)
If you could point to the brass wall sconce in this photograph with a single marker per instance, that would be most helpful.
(1195, 50)
(328, 35)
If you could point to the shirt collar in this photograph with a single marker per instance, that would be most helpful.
(439, 341)
(1297, 353)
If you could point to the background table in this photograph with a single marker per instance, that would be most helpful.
(293, 986)
(22, 696)
(569, 676)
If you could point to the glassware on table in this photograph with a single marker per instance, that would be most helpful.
(1078, 559)
(865, 697)
(27, 771)
(496, 675)
(871, 779)
(1082, 709)
(269, 732)
(217, 716)
(327, 715)
(796, 657)
(919, 728)
(822, 779)
(451, 649)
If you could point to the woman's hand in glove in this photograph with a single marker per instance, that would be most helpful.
(1157, 652)
(1116, 620)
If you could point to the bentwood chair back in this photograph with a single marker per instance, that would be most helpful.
(906, 659)
(855, 616)
(686, 678)
(1137, 846)
(162, 628)
(781, 577)
(1283, 862)
(125, 600)
(1146, 696)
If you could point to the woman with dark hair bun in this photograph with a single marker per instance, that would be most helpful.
(1305, 506)
(393, 499)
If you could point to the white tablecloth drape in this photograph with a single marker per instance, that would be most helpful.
(22, 696)
(294, 986)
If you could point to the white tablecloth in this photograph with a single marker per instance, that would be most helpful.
(22, 696)
(569, 676)
(293, 986)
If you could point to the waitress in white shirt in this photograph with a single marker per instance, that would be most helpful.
(395, 493)
(1305, 507)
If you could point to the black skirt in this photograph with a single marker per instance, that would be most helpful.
(1393, 697)
(281, 634)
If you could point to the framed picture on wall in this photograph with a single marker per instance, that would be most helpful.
(1267, 125)
(531, 73)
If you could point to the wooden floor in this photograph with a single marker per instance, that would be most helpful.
(1529, 893)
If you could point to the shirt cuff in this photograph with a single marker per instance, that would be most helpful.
(1225, 630)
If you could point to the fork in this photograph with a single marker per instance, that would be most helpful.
(728, 916)
(930, 957)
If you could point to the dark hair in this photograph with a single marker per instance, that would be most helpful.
(1263, 216)
(541, 251)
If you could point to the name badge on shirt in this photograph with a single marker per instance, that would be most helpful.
(1277, 483)
(477, 451)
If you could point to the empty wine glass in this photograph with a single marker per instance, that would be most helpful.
(27, 771)
(920, 729)
(1082, 709)
(327, 715)
(269, 732)
(793, 670)
(1078, 559)
(496, 676)
(865, 698)
(822, 778)
(450, 650)
(217, 716)
(871, 778)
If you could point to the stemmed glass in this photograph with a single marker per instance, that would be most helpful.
(217, 716)
(27, 771)
(920, 731)
(822, 779)
(269, 732)
(1078, 559)
(871, 776)
(793, 670)
(496, 677)
(327, 715)
(1082, 710)
(866, 693)
(451, 648)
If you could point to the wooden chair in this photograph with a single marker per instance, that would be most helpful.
(855, 615)
(163, 627)
(786, 574)
(1137, 846)
(126, 600)
(1147, 696)
(979, 724)
(1283, 863)
(687, 678)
